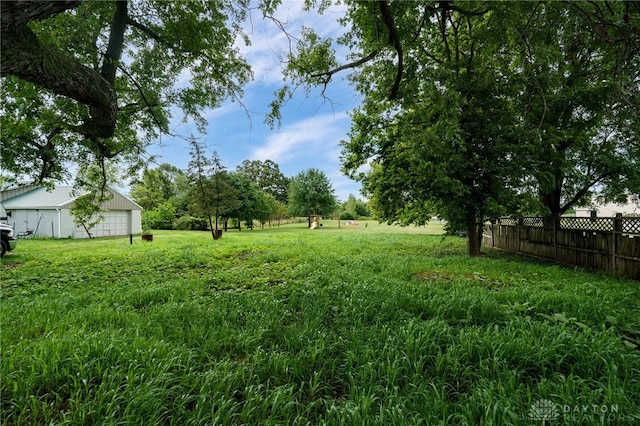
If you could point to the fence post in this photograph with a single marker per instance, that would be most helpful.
(617, 230)
(493, 230)
(556, 226)
(519, 229)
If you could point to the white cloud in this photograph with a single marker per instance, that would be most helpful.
(183, 79)
(312, 138)
(311, 143)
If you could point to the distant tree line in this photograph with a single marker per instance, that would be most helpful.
(207, 196)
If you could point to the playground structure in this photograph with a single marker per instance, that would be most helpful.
(314, 221)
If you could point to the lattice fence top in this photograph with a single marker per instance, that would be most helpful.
(627, 225)
(508, 221)
(533, 222)
(631, 225)
(602, 224)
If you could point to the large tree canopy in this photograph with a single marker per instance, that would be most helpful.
(578, 100)
(157, 186)
(267, 175)
(98, 80)
(311, 193)
(468, 107)
(252, 200)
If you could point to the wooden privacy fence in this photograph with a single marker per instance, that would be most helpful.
(603, 243)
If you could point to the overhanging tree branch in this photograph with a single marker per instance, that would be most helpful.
(581, 193)
(149, 32)
(394, 39)
(23, 55)
(148, 105)
(155, 36)
(16, 14)
(327, 75)
(116, 41)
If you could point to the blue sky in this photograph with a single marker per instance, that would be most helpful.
(312, 127)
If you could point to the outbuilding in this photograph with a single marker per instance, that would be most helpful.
(631, 208)
(43, 212)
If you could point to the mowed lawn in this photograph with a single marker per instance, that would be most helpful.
(362, 325)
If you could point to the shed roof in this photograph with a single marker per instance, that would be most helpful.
(61, 197)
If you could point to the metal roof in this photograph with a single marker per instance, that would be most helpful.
(61, 196)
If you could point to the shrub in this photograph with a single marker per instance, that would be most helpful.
(190, 223)
(346, 216)
(161, 217)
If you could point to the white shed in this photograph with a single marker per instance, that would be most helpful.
(47, 213)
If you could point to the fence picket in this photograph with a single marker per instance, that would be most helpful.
(610, 244)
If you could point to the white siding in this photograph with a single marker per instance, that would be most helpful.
(67, 227)
(136, 221)
(43, 222)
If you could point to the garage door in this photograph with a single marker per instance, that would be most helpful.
(116, 222)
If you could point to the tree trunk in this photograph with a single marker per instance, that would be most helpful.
(551, 195)
(214, 235)
(86, 229)
(551, 200)
(473, 241)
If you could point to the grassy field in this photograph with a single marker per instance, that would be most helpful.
(362, 325)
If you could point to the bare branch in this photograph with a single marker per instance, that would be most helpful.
(148, 104)
(281, 26)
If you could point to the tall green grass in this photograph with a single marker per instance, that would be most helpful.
(360, 325)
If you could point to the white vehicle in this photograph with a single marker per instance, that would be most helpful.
(8, 240)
